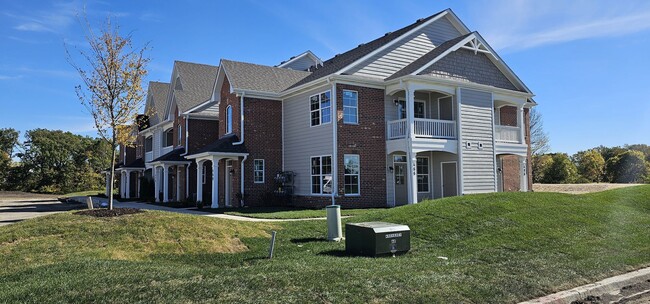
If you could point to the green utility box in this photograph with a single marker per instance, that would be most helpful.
(377, 239)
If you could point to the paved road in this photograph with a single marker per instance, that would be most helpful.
(13, 210)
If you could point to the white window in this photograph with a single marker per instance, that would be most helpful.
(258, 171)
(351, 183)
(321, 175)
(422, 169)
(229, 120)
(168, 137)
(350, 107)
(180, 134)
(148, 144)
(419, 109)
(320, 109)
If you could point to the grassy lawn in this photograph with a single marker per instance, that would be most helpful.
(503, 247)
(286, 212)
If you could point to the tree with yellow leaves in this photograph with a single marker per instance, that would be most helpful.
(112, 76)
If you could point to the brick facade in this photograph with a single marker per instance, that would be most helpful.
(508, 116)
(510, 172)
(201, 132)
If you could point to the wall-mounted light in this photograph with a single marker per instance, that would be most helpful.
(396, 102)
(231, 172)
(390, 169)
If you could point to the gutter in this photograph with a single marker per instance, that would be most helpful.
(241, 181)
(187, 134)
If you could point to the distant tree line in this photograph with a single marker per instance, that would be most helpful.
(52, 161)
(627, 164)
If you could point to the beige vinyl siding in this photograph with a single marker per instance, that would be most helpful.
(301, 141)
(476, 127)
(412, 47)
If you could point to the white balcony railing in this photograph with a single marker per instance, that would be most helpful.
(397, 129)
(148, 156)
(507, 134)
(434, 128)
(427, 128)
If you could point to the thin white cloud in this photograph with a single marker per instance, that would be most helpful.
(6, 77)
(519, 25)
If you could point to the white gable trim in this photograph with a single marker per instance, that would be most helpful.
(307, 53)
(446, 13)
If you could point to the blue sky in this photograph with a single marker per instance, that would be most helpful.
(586, 61)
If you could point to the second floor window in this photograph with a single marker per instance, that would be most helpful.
(168, 138)
(229, 120)
(320, 109)
(148, 144)
(180, 134)
(350, 107)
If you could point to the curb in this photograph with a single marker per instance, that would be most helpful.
(608, 285)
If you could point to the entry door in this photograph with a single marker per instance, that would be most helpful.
(228, 182)
(449, 180)
(401, 189)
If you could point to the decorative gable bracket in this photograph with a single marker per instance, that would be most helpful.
(476, 46)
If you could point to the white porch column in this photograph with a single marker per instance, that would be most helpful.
(411, 156)
(523, 174)
(215, 182)
(122, 186)
(520, 123)
(199, 181)
(127, 189)
(156, 183)
(165, 183)
(410, 112)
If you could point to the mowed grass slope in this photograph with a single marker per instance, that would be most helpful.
(503, 247)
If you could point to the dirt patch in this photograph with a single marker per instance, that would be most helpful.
(578, 188)
(109, 213)
(628, 294)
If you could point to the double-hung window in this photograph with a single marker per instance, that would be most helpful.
(168, 137)
(321, 175)
(423, 174)
(351, 183)
(320, 109)
(258, 171)
(148, 144)
(350, 107)
(180, 134)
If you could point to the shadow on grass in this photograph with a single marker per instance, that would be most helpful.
(337, 253)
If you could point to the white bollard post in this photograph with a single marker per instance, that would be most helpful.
(334, 232)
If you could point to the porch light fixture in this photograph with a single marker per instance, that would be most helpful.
(396, 102)
(390, 169)
(231, 172)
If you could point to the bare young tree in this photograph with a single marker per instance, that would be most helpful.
(539, 141)
(112, 73)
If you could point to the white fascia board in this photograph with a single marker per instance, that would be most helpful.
(215, 94)
(445, 53)
(257, 94)
(208, 154)
(391, 43)
(201, 117)
(456, 83)
(347, 79)
(202, 106)
(170, 94)
(307, 53)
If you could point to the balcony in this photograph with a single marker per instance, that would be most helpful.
(507, 134)
(423, 128)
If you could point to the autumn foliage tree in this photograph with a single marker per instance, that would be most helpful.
(112, 74)
(591, 165)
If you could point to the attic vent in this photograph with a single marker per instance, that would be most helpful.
(388, 33)
(337, 55)
(361, 45)
(419, 20)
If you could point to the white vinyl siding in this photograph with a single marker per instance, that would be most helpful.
(351, 178)
(350, 107)
(476, 135)
(258, 171)
(302, 142)
(404, 52)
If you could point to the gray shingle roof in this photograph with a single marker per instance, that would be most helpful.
(197, 81)
(172, 156)
(224, 145)
(340, 61)
(255, 77)
(426, 58)
(158, 92)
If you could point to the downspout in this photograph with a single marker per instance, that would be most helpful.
(241, 119)
(187, 134)
(241, 181)
(335, 162)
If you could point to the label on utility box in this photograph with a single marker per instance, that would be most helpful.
(393, 235)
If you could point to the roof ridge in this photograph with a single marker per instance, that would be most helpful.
(195, 63)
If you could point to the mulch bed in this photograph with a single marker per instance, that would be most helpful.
(109, 213)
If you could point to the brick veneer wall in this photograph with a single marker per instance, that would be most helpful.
(202, 132)
(508, 116)
(510, 172)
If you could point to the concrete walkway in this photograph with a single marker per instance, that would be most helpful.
(16, 210)
(201, 213)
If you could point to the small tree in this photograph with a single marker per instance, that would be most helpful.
(628, 167)
(541, 164)
(591, 165)
(562, 171)
(539, 141)
(112, 85)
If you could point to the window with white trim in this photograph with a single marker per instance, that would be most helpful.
(320, 109)
(321, 175)
(350, 107)
(422, 170)
(258, 171)
(148, 144)
(168, 137)
(351, 178)
(180, 134)
(229, 120)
